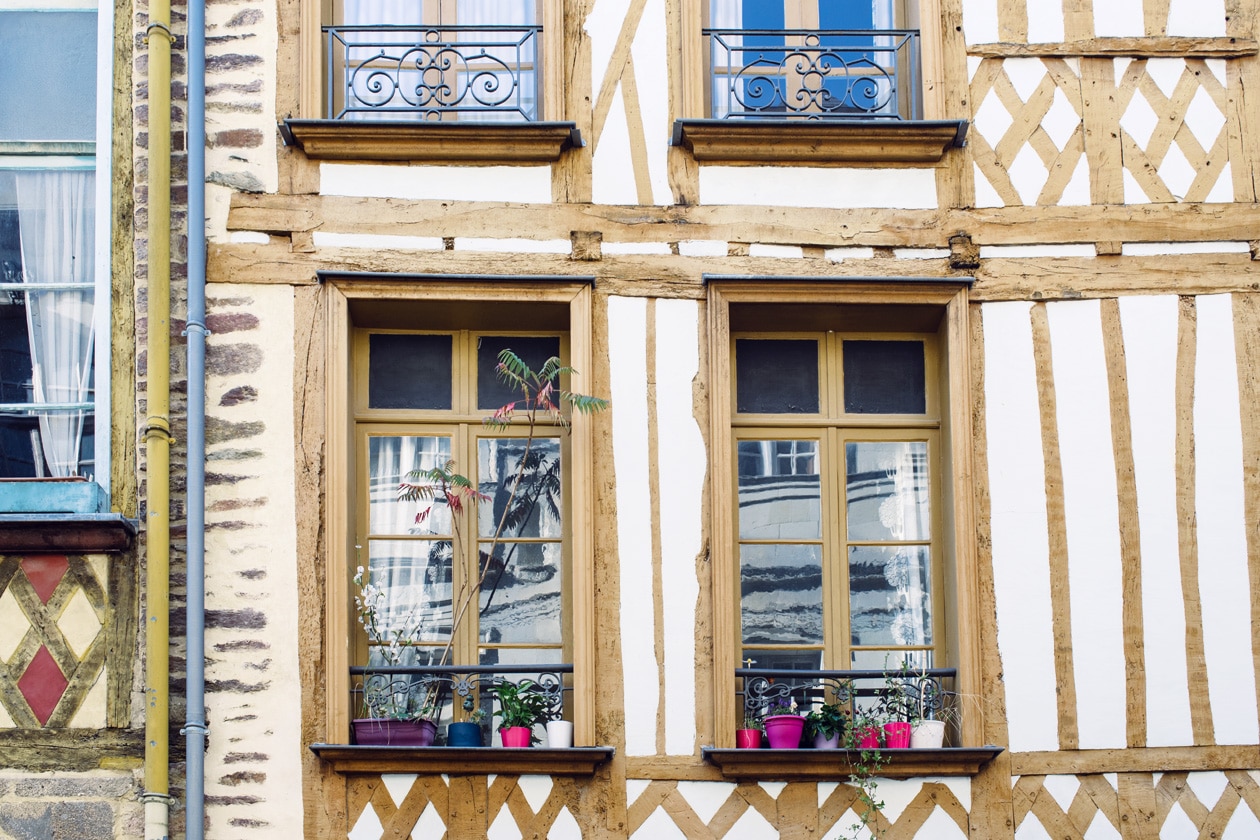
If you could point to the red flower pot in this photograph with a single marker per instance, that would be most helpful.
(748, 739)
(868, 738)
(515, 736)
(784, 731)
(897, 735)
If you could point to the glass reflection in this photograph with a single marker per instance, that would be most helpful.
(535, 509)
(390, 460)
(890, 599)
(887, 493)
(520, 597)
(414, 577)
(780, 497)
(781, 594)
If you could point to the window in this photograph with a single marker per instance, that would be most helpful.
(446, 60)
(813, 59)
(841, 517)
(408, 387)
(54, 245)
(837, 438)
(444, 383)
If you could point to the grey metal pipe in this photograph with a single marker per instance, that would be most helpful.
(195, 630)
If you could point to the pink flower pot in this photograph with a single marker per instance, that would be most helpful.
(515, 736)
(784, 731)
(748, 739)
(897, 735)
(868, 738)
(380, 732)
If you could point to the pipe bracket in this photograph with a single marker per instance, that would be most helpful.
(158, 25)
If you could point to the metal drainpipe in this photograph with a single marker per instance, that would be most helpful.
(195, 631)
(157, 432)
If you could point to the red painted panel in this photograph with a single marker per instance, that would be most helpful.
(45, 572)
(42, 685)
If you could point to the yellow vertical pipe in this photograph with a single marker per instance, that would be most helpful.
(157, 434)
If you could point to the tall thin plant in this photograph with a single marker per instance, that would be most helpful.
(541, 399)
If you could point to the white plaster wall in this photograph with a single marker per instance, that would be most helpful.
(243, 96)
(1045, 21)
(682, 462)
(1203, 18)
(525, 184)
(1224, 585)
(980, 21)
(627, 362)
(252, 567)
(1118, 19)
(1092, 517)
(1021, 550)
(818, 187)
(1149, 325)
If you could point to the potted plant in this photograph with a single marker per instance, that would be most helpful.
(521, 706)
(398, 710)
(899, 704)
(783, 725)
(863, 739)
(748, 737)
(467, 733)
(826, 724)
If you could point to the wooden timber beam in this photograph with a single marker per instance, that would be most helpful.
(286, 214)
(1162, 47)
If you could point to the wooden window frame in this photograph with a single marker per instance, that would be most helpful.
(958, 590)
(344, 292)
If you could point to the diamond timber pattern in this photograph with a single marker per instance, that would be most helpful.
(1025, 152)
(54, 608)
(1188, 145)
(1155, 805)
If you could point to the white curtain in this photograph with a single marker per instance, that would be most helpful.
(55, 217)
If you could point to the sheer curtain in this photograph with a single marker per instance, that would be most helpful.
(55, 217)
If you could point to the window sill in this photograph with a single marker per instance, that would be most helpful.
(810, 141)
(65, 533)
(464, 761)
(436, 142)
(825, 765)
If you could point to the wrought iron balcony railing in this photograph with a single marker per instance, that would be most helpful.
(437, 690)
(814, 74)
(928, 692)
(433, 72)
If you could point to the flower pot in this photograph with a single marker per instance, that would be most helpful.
(464, 735)
(559, 733)
(516, 736)
(748, 739)
(928, 734)
(822, 743)
(897, 735)
(784, 731)
(394, 733)
(868, 738)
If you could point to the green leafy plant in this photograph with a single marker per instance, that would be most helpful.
(752, 721)
(521, 704)
(828, 720)
(863, 777)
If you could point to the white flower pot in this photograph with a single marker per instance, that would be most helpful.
(928, 734)
(559, 733)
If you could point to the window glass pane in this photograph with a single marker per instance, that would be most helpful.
(414, 579)
(48, 63)
(536, 505)
(520, 597)
(884, 377)
(889, 595)
(780, 497)
(796, 660)
(390, 460)
(887, 490)
(781, 594)
(47, 336)
(492, 392)
(409, 371)
(776, 376)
